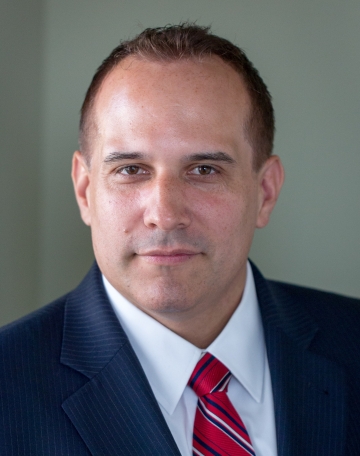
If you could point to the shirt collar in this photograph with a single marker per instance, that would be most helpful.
(241, 344)
(168, 360)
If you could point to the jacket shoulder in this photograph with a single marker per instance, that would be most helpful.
(34, 383)
(41, 320)
(337, 318)
(320, 304)
(32, 340)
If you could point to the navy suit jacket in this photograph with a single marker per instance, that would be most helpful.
(71, 384)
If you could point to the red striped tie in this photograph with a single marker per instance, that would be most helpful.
(218, 429)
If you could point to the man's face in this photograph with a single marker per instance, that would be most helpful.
(171, 195)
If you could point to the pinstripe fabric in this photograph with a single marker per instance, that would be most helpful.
(313, 345)
(218, 429)
(32, 422)
(118, 400)
(70, 384)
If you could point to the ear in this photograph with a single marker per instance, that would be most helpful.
(80, 174)
(271, 178)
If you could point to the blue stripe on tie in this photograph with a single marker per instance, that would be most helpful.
(244, 445)
(198, 373)
(206, 398)
(203, 444)
(220, 385)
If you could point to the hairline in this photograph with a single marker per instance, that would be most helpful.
(90, 121)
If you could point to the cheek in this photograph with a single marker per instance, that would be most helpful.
(226, 214)
(113, 219)
(115, 205)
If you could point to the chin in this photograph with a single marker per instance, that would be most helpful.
(164, 301)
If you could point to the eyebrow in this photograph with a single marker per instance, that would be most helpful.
(201, 156)
(118, 156)
(213, 156)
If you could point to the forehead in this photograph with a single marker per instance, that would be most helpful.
(179, 96)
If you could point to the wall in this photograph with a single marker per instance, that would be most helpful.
(308, 54)
(20, 156)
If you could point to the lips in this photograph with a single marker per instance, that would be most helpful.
(168, 256)
(168, 252)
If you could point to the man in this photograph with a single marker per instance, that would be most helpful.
(174, 343)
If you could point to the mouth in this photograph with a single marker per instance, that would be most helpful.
(168, 256)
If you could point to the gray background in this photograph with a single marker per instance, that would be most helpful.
(308, 54)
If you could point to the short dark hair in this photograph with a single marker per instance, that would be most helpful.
(190, 41)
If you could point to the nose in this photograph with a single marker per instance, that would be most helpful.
(165, 204)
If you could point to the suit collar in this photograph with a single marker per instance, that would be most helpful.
(92, 334)
(115, 411)
(278, 310)
(309, 390)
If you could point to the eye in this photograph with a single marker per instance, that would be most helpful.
(203, 170)
(130, 170)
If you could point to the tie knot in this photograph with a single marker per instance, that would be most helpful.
(209, 376)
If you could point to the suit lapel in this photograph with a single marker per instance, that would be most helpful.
(115, 411)
(309, 390)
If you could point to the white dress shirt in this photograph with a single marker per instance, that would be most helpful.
(168, 361)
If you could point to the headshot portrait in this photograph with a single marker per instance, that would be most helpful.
(192, 288)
